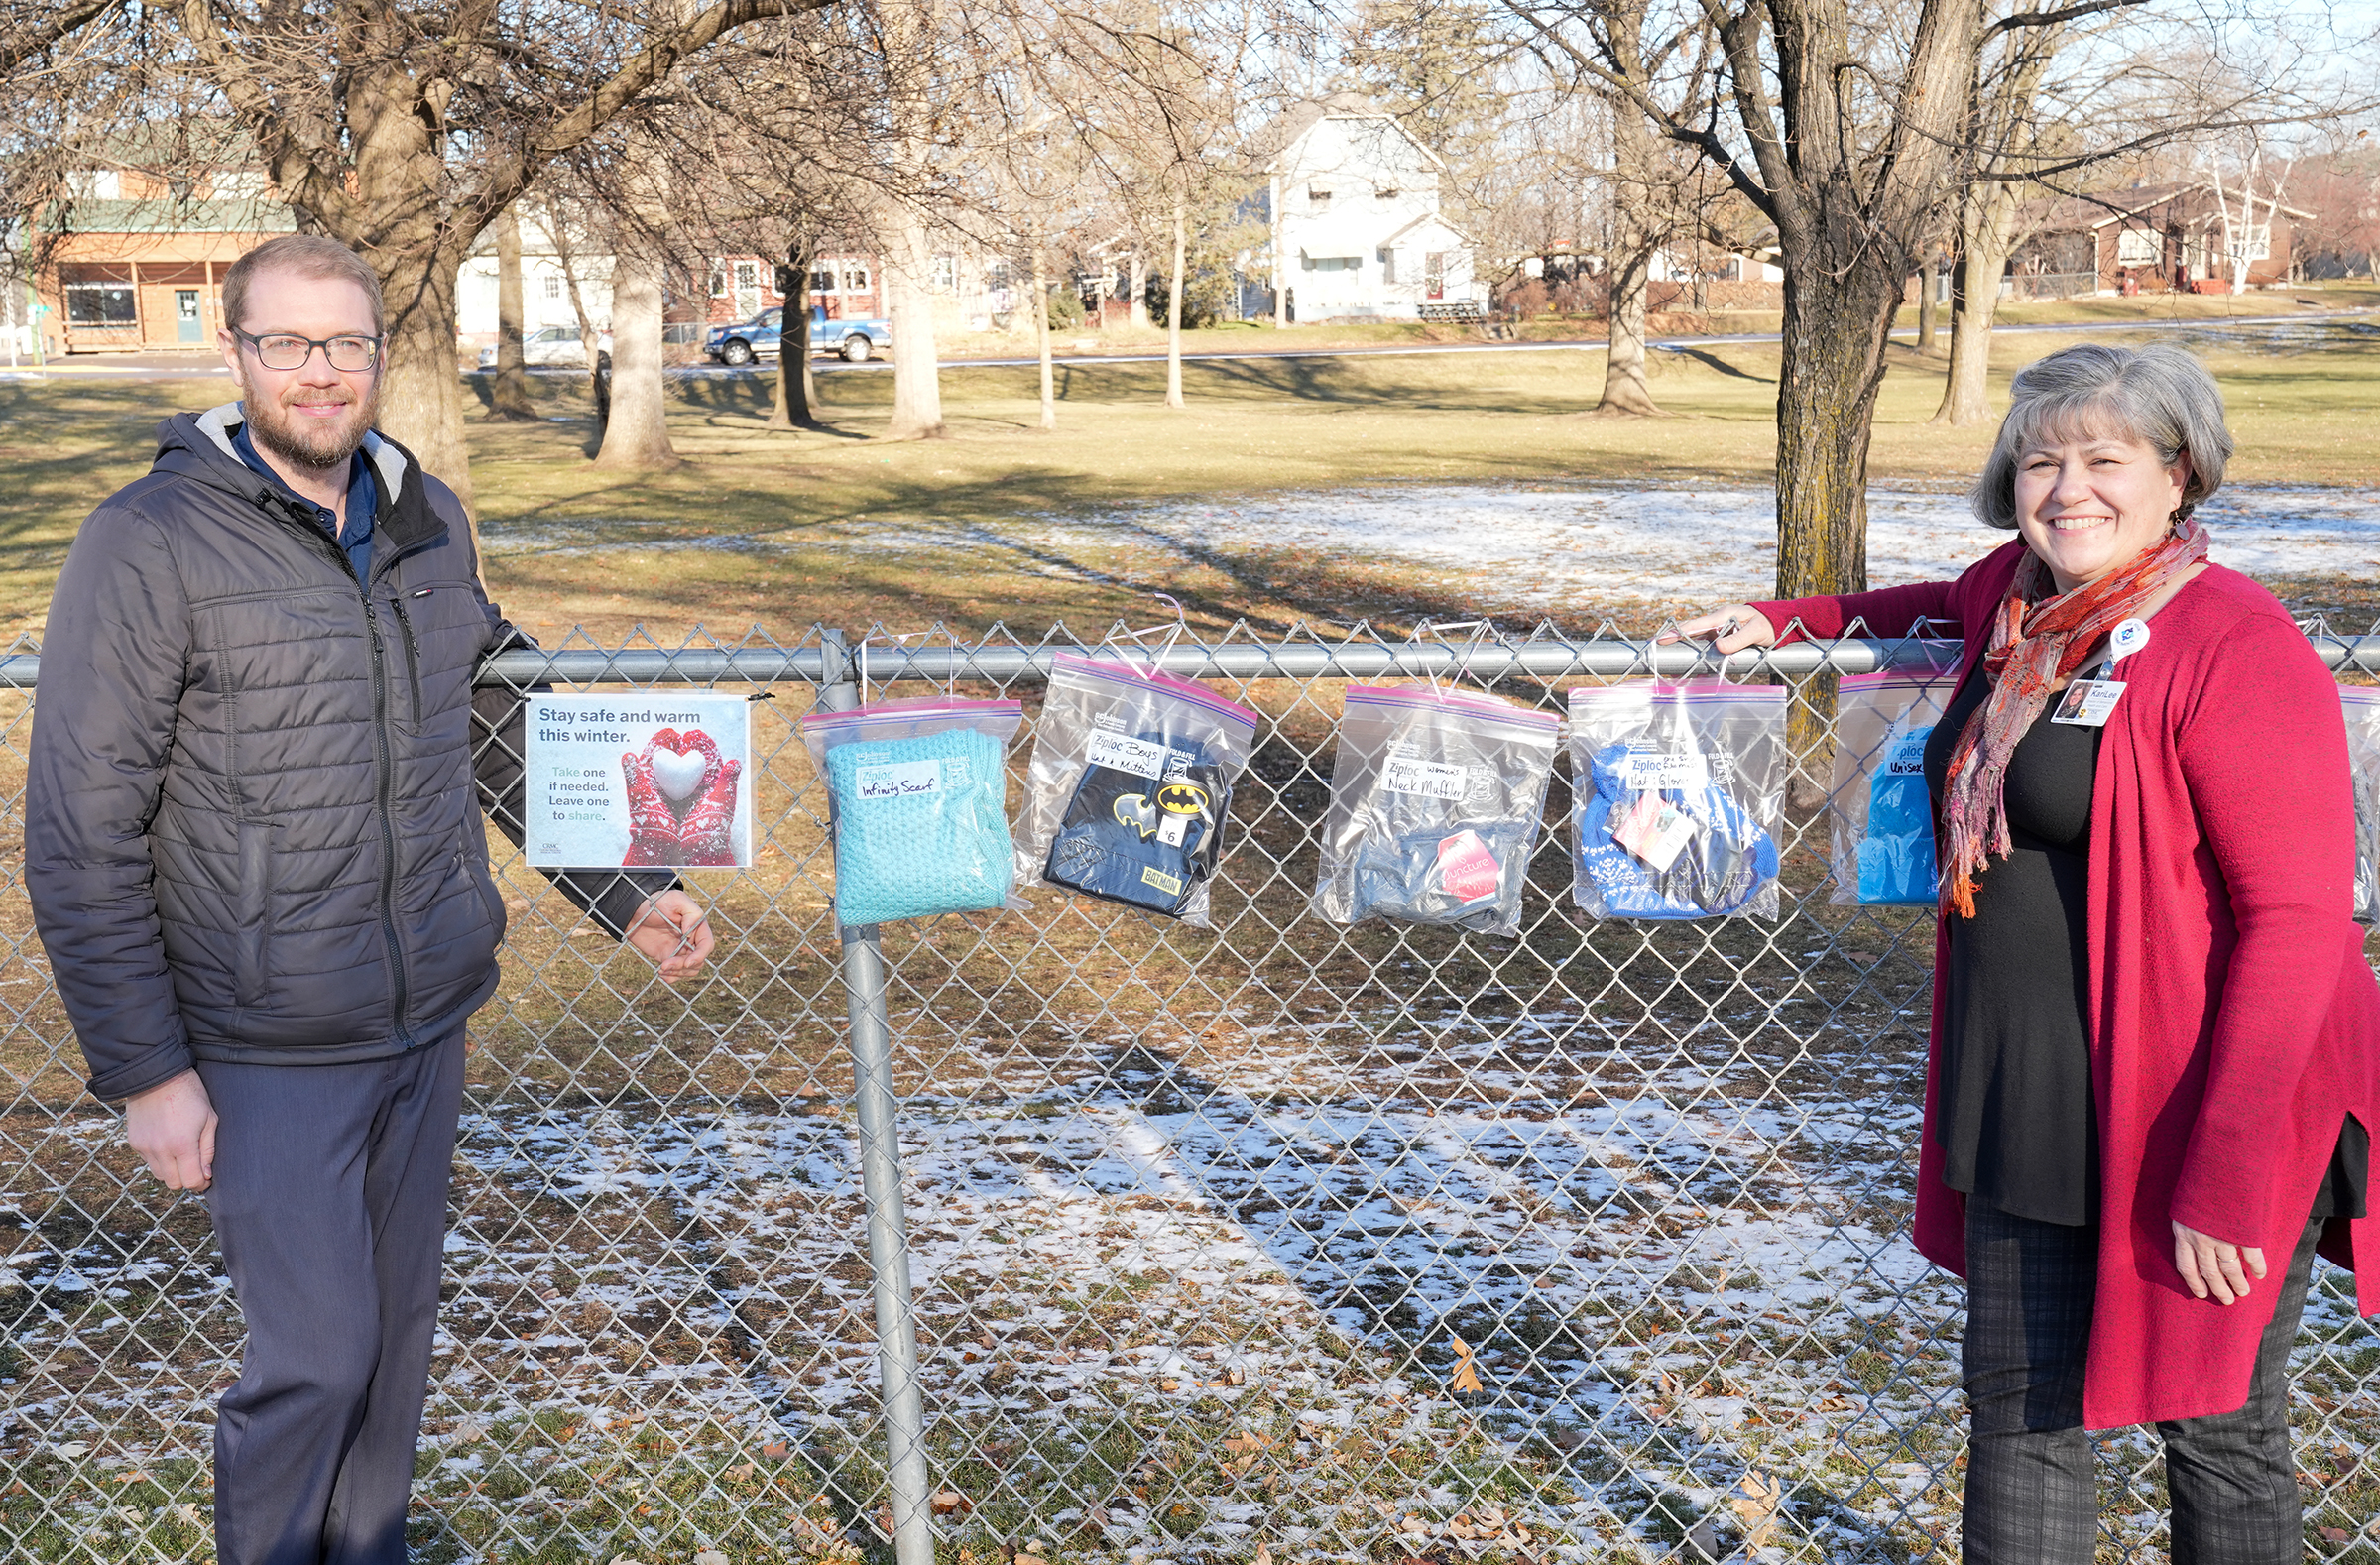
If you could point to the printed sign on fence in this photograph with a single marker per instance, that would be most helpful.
(640, 779)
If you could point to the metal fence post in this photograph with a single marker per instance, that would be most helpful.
(887, 1223)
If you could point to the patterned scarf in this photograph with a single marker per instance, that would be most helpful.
(2038, 637)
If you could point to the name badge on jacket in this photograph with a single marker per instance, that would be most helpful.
(2089, 703)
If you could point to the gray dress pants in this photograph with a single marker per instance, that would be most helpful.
(329, 1201)
(2032, 1479)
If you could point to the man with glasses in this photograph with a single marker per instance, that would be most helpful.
(257, 862)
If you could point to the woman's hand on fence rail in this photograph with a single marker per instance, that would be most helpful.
(173, 1126)
(1730, 628)
(671, 930)
(2208, 1265)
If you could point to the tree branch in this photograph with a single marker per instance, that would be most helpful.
(302, 180)
(20, 44)
(2017, 19)
(608, 101)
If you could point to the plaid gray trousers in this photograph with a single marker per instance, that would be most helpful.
(2031, 1478)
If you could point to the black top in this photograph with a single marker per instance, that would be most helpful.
(2016, 1117)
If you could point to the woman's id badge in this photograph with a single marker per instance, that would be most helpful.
(2088, 703)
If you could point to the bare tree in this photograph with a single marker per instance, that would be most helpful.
(404, 127)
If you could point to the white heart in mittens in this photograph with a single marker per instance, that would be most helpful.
(677, 777)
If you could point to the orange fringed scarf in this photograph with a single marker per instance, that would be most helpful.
(2037, 639)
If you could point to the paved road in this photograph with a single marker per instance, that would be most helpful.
(167, 366)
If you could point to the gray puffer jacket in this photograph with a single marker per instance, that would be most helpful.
(250, 827)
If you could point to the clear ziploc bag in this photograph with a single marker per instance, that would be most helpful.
(1677, 791)
(918, 793)
(1130, 785)
(1882, 812)
(2362, 704)
(1435, 801)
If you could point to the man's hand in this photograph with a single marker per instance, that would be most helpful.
(673, 932)
(2209, 1266)
(173, 1126)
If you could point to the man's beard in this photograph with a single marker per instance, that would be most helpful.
(307, 440)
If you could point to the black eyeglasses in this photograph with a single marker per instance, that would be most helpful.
(282, 350)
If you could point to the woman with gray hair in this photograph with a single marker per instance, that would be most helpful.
(2156, 1041)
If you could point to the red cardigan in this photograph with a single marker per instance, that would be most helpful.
(2234, 1019)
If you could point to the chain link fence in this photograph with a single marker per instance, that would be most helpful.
(1280, 1242)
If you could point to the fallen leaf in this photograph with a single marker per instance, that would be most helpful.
(2334, 1534)
(1022, 1558)
(1464, 1378)
(1264, 1554)
(775, 1451)
(1170, 1385)
(711, 1557)
(1755, 1502)
(738, 1473)
(1249, 1441)
(467, 1432)
(951, 1499)
(883, 1520)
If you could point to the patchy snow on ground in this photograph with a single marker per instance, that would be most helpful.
(1551, 549)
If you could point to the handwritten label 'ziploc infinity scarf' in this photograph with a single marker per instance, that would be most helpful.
(2038, 637)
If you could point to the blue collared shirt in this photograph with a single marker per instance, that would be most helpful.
(363, 499)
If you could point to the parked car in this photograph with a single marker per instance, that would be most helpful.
(552, 345)
(761, 338)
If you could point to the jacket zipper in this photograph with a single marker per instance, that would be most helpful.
(413, 654)
(383, 778)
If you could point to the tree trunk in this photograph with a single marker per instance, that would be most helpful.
(1624, 389)
(1049, 396)
(917, 369)
(1139, 317)
(1173, 315)
(637, 436)
(598, 387)
(1987, 219)
(796, 392)
(421, 389)
(509, 394)
(1833, 367)
(1925, 305)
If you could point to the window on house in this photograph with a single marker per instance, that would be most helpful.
(554, 286)
(747, 274)
(946, 274)
(2139, 247)
(1317, 198)
(2255, 242)
(101, 304)
(719, 282)
(855, 279)
(822, 280)
(1387, 192)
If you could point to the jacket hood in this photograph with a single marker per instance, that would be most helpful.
(197, 446)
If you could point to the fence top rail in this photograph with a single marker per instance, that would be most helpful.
(833, 661)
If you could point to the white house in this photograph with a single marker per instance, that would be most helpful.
(1356, 232)
(544, 286)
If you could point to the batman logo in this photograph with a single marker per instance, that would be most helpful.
(1135, 810)
(1182, 799)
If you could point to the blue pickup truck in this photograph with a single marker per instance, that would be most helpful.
(761, 336)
